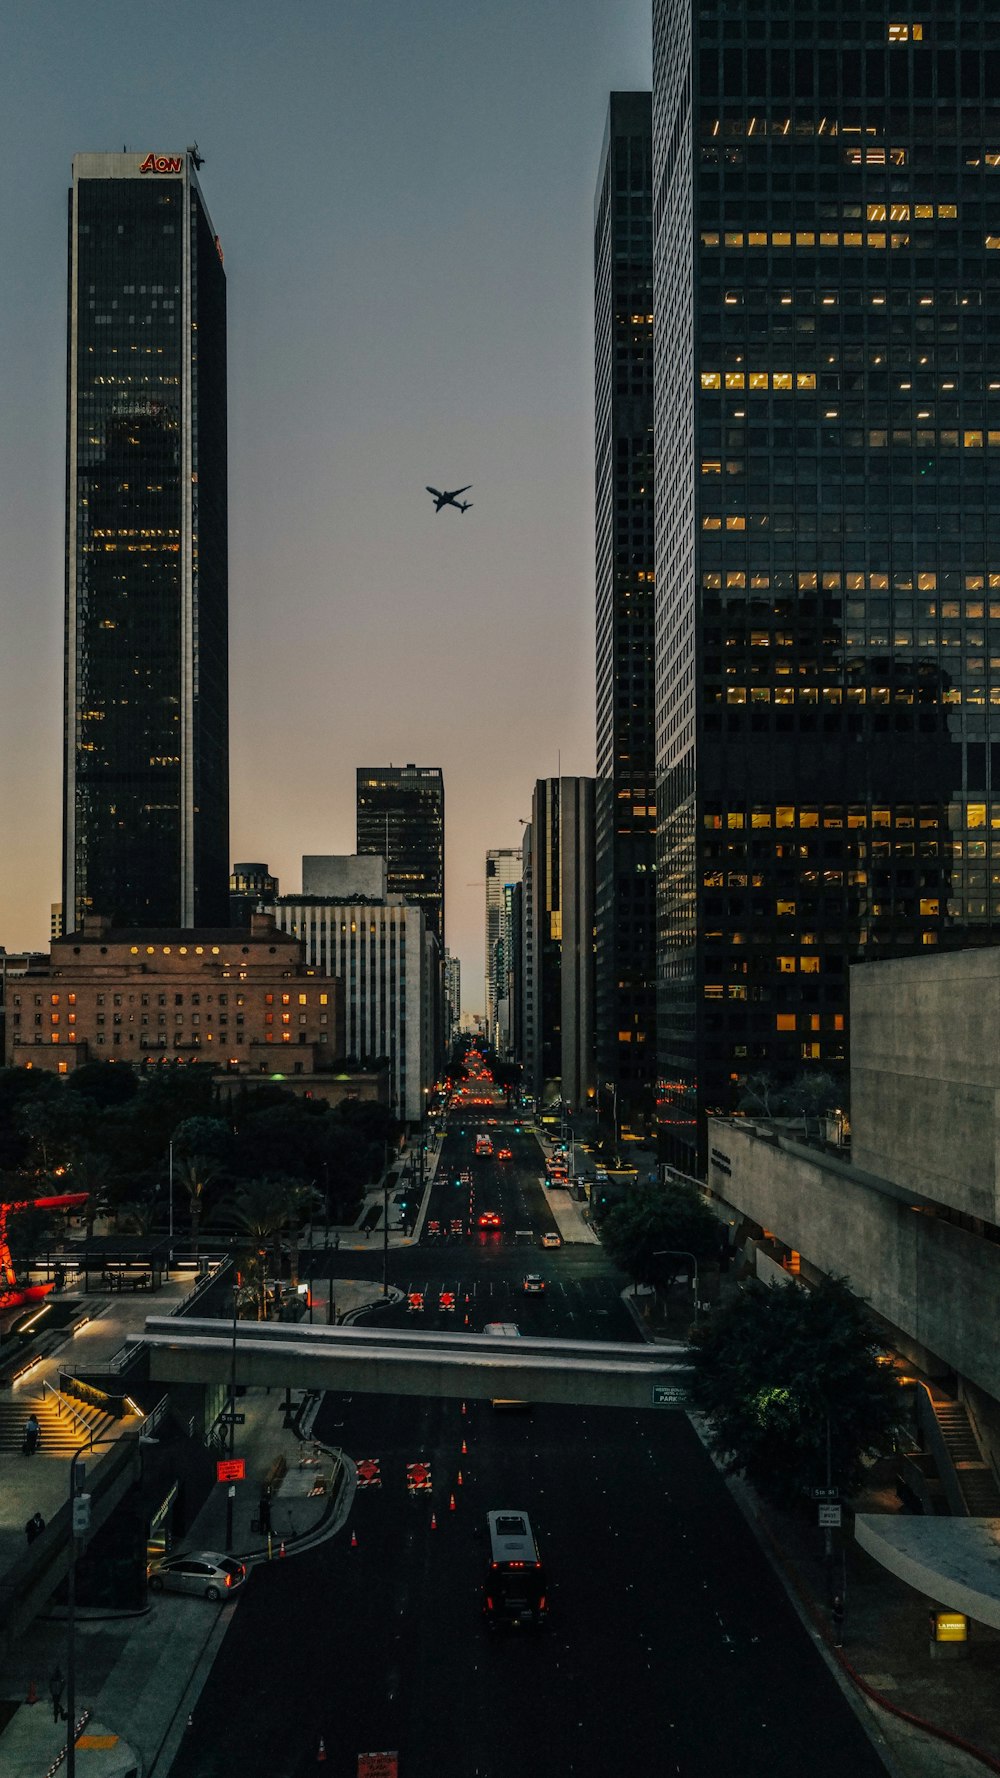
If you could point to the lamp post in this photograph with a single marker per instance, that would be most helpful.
(681, 1253)
(231, 1486)
(76, 1504)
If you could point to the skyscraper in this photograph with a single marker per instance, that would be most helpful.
(400, 814)
(827, 435)
(559, 1041)
(503, 872)
(146, 781)
(625, 816)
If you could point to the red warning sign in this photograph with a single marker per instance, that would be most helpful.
(230, 1469)
(378, 1765)
(369, 1472)
(418, 1478)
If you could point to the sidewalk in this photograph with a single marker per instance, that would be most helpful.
(569, 1215)
(141, 1673)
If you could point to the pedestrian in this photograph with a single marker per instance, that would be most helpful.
(837, 1620)
(336, 1243)
(34, 1527)
(32, 1434)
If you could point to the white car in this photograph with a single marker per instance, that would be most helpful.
(204, 1572)
(534, 1284)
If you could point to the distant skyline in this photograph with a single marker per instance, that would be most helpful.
(404, 194)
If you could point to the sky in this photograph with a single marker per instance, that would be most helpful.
(404, 193)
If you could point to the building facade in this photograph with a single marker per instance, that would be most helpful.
(251, 888)
(245, 1001)
(625, 807)
(400, 817)
(827, 434)
(503, 872)
(452, 999)
(560, 1040)
(388, 967)
(146, 764)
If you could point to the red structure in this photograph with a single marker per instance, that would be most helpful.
(13, 1294)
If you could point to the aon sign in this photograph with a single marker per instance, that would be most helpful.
(162, 163)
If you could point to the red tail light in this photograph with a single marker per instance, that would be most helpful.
(541, 1603)
(489, 1603)
(229, 1580)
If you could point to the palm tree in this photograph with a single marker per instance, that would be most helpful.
(301, 1202)
(258, 1208)
(195, 1172)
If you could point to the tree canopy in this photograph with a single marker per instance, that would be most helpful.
(652, 1225)
(772, 1365)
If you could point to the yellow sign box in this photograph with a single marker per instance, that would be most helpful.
(951, 1626)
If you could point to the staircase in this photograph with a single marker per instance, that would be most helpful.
(975, 1477)
(62, 1432)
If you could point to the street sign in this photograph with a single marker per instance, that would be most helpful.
(233, 1419)
(230, 1469)
(829, 1516)
(824, 1493)
(81, 1514)
(378, 1765)
(666, 1395)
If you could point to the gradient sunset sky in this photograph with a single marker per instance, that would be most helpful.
(404, 193)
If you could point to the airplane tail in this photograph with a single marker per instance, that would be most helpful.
(464, 505)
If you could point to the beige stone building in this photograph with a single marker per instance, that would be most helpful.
(244, 1000)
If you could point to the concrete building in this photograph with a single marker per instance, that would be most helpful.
(146, 779)
(503, 872)
(452, 998)
(827, 442)
(247, 1001)
(347, 876)
(625, 809)
(400, 817)
(387, 967)
(560, 1040)
(912, 1217)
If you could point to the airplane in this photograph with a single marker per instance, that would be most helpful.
(451, 499)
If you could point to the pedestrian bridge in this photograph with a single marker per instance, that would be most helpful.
(390, 1361)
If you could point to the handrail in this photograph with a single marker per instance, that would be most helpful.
(63, 1401)
(120, 1360)
(201, 1286)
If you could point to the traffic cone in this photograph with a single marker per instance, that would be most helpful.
(321, 1751)
(451, 1503)
(459, 1482)
(281, 1549)
(434, 1523)
(467, 1321)
(463, 1407)
(354, 1540)
(32, 1697)
(465, 1449)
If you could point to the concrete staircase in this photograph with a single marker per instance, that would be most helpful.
(62, 1432)
(974, 1476)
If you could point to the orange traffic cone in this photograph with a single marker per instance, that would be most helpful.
(321, 1751)
(467, 1321)
(354, 1540)
(32, 1697)
(451, 1503)
(459, 1483)
(281, 1550)
(463, 1407)
(434, 1523)
(465, 1449)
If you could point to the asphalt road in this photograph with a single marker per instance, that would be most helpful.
(670, 1648)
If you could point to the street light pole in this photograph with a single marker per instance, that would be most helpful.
(142, 1439)
(231, 1486)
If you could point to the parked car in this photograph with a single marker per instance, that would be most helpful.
(203, 1572)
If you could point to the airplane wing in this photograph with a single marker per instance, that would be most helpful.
(456, 491)
(436, 493)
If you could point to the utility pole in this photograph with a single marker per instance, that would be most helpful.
(231, 1486)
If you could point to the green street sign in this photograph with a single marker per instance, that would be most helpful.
(668, 1395)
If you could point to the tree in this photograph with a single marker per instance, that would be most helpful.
(654, 1218)
(259, 1208)
(90, 1172)
(195, 1172)
(772, 1366)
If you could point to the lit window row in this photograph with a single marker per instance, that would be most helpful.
(783, 237)
(972, 439)
(972, 696)
(833, 580)
(758, 379)
(905, 33)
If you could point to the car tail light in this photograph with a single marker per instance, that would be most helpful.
(229, 1580)
(489, 1603)
(541, 1603)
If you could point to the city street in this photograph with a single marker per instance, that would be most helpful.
(670, 1647)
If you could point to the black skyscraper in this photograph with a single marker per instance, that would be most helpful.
(625, 889)
(146, 787)
(400, 811)
(827, 301)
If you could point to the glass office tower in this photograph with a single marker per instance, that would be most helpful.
(146, 784)
(827, 386)
(400, 817)
(625, 884)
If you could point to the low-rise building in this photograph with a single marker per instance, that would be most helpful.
(247, 1001)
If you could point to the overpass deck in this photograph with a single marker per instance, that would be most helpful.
(392, 1361)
